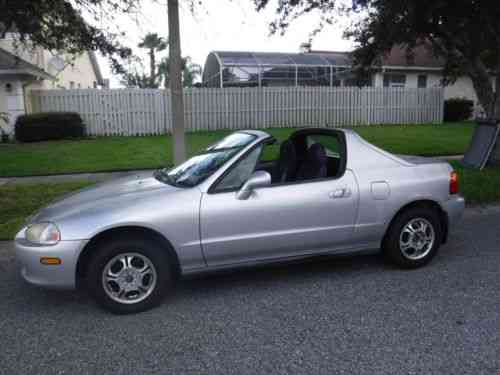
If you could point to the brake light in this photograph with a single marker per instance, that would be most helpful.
(454, 183)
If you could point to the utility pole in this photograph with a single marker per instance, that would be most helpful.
(175, 73)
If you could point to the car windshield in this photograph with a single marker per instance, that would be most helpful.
(198, 168)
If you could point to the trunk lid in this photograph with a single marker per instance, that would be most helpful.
(419, 160)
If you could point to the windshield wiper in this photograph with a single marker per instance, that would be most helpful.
(161, 176)
(164, 177)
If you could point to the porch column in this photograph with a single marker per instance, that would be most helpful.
(11, 94)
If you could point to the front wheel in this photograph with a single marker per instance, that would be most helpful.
(414, 238)
(129, 275)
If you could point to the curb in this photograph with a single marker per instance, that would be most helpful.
(76, 177)
(482, 209)
(105, 171)
(99, 176)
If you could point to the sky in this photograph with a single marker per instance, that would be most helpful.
(231, 25)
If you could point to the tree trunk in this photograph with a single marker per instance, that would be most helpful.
(495, 155)
(175, 70)
(152, 70)
(482, 85)
(488, 98)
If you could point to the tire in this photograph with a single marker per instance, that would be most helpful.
(406, 249)
(129, 275)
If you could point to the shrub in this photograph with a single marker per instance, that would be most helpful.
(47, 126)
(458, 109)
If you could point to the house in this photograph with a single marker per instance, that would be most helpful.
(421, 71)
(330, 68)
(24, 69)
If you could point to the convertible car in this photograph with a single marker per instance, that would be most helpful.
(245, 200)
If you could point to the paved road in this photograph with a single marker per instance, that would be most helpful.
(336, 316)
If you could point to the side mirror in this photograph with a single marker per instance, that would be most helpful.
(258, 179)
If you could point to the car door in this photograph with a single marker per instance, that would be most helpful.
(279, 221)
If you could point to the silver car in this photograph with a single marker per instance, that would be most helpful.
(243, 201)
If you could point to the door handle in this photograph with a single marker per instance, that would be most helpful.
(344, 192)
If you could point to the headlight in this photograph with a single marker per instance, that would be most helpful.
(43, 234)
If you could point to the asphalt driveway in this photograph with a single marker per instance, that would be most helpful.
(337, 316)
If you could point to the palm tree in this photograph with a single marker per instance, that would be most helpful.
(134, 76)
(154, 44)
(190, 71)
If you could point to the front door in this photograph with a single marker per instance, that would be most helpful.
(279, 221)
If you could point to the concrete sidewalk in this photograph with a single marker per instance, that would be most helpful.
(103, 176)
(90, 177)
(449, 157)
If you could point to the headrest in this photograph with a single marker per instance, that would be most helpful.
(317, 153)
(287, 148)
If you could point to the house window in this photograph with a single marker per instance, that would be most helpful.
(71, 85)
(394, 80)
(422, 81)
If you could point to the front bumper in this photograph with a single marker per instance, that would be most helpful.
(454, 208)
(61, 276)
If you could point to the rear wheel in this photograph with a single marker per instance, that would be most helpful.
(129, 275)
(414, 237)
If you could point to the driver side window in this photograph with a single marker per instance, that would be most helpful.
(238, 175)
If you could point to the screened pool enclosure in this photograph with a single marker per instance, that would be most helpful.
(258, 69)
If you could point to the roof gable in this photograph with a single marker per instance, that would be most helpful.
(10, 63)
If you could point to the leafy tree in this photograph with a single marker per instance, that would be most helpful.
(58, 25)
(190, 71)
(136, 79)
(465, 34)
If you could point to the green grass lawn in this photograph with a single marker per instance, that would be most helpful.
(19, 201)
(479, 187)
(124, 153)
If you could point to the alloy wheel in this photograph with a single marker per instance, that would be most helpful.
(417, 238)
(129, 278)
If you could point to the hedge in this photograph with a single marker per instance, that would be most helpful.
(49, 126)
(458, 109)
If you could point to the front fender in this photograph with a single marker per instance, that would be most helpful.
(174, 216)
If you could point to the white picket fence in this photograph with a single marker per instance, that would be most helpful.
(144, 112)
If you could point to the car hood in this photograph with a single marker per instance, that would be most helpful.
(114, 193)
